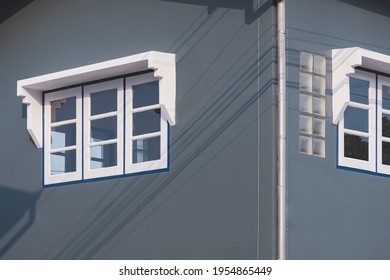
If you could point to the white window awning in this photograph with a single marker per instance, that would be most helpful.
(344, 63)
(163, 64)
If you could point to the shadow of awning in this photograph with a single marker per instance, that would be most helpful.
(14, 205)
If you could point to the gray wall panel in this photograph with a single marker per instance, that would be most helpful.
(207, 205)
(333, 214)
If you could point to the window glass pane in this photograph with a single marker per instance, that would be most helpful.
(103, 129)
(306, 61)
(305, 124)
(305, 103)
(319, 85)
(146, 149)
(305, 82)
(145, 94)
(305, 144)
(103, 102)
(63, 162)
(386, 97)
(146, 122)
(63, 136)
(63, 109)
(358, 90)
(319, 106)
(319, 127)
(385, 125)
(386, 153)
(103, 156)
(356, 119)
(319, 147)
(356, 147)
(319, 64)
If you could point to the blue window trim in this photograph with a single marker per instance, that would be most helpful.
(363, 171)
(112, 177)
(124, 175)
(106, 178)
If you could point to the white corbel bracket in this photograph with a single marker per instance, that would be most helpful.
(344, 63)
(163, 64)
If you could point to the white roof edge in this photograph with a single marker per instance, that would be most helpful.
(85, 69)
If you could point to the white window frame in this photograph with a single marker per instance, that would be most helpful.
(382, 168)
(161, 163)
(162, 67)
(88, 90)
(69, 176)
(124, 128)
(369, 165)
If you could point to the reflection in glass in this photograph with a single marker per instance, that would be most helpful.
(146, 122)
(63, 162)
(305, 103)
(103, 156)
(63, 109)
(386, 153)
(103, 102)
(356, 119)
(146, 149)
(385, 125)
(358, 90)
(386, 97)
(356, 147)
(63, 136)
(145, 94)
(103, 129)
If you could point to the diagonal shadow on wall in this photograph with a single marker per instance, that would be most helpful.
(11, 7)
(377, 6)
(14, 205)
(84, 243)
(234, 91)
(253, 8)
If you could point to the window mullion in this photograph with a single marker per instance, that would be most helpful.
(146, 136)
(360, 105)
(103, 116)
(357, 133)
(107, 154)
(64, 149)
(146, 108)
(61, 166)
(101, 143)
(383, 160)
(57, 124)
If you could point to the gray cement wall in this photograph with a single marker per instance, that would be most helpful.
(216, 202)
(333, 213)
